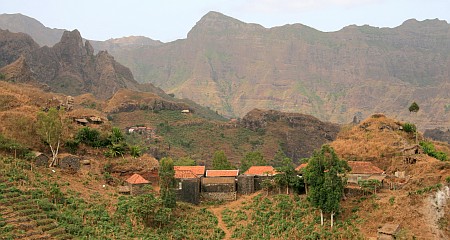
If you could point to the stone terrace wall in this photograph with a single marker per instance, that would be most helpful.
(225, 196)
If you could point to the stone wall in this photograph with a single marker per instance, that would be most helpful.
(246, 184)
(218, 184)
(259, 180)
(70, 162)
(225, 196)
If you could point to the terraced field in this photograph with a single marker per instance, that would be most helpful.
(21, 217)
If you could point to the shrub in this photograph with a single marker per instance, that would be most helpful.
(428, 148)
(409, 127)
(72, 146)
(90, 137)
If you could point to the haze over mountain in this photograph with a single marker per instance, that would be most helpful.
(234, 67)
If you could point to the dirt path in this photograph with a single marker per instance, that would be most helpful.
(217, 210)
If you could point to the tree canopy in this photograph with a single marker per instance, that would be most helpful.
(252, 159)
(167, 182)
(50, 129)
(220, 161)
(414, 107)
(324, 178)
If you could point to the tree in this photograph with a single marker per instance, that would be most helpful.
(167, 182)
(185, 161)
(278, 159)
(50, 128)
(414, 108)
(252, 159)
(220, 161)
(287, 176)
(324, 177)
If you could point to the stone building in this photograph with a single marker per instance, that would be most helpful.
(138, 185)
(188, 183)
(219, 185)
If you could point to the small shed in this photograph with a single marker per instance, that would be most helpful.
(81, 121)
(138, 185)
(41, 160)
(70, 162)
(388, 231)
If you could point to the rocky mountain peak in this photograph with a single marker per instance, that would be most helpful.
(218, 23)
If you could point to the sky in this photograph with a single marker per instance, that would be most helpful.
(168, 20)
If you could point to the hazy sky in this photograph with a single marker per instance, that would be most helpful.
(167, 20)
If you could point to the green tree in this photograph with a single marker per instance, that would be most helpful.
(252, 159)
(167, 182)
(324, 178)
(185, 161)
(220, 161)
(414, 108)
(116, 135)
(287, 176)
(50, 128)
(278, 159)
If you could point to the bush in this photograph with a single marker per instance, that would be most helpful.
(72, 146)
(91, 137)
(409, 127)
(428, 148)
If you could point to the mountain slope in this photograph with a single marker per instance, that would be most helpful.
(234, 67)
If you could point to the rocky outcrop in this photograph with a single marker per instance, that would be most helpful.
(70, 67)
(299, 134)
(13, 45)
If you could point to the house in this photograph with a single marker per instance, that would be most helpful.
(219, 185)
(251, 180)
(362, 170)
(199, 171)
(137, 184)
(261, 171)
(188, 184)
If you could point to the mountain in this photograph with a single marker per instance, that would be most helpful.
(233, 67)
(71, 67)
(43, 35)
(46, 36)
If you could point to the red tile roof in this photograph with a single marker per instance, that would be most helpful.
(261, 171)
(301, 166)
(222, 173)
(197, 170)
(184, 174)
(137, 179)
(359, 167)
